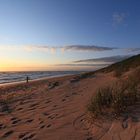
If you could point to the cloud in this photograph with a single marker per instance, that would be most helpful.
(68, 48)
(37, 47)
(84, 67)
(104, 60)
(86, 48)
(85, 64)
(132, 49)
(118, 18)
(94, 64)
(53, 50)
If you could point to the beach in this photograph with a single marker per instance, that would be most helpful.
(45, 111)
(52, 109)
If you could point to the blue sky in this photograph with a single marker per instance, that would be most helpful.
(37, 32)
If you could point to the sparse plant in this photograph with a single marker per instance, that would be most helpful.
(116, 98)
(4, 104)
(101, 100)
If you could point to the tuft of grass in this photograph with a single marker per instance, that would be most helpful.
(101, 100)
(4, 104)
(115, 99)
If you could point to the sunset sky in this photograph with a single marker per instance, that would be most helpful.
(67, 34)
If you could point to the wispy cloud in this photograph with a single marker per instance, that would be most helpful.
(132, 49)
(104, 60)
(54, 49)
(85, 64)
(87, 48)
(37, 47)
(93, 64)
(118, 18)
(69, 48)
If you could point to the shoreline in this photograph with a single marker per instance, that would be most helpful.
(8, 84)
(8, 78)
(22, 88)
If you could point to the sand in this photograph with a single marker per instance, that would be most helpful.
(56, 108)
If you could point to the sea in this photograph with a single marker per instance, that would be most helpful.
(9, 77)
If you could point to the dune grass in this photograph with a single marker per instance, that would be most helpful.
(115, 99)
(121, 67)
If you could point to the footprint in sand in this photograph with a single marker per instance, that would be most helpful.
(16, 121)
(41, 122)
(13, 119)
(42, 126)
(63, 100)
(67, 96)
(90, 138)
(7, 134)
(19, 109)
(2, 126)
(55, 106)
(74, 93)
(26, 136)
(48, 102)
(31, 136)
(22, 135)
(53, 116)
(49, 125)
(45, 113)
(29, 121)
(33, 105)
(31, 108)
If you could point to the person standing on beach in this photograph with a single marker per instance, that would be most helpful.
(27, 79)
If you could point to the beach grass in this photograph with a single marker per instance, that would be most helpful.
(116, 98)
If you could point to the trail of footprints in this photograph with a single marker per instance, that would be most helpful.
(15, 121)
(25, 106)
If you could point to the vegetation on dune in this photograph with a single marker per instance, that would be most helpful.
(115, 99)
(121, 67)
(118, 68)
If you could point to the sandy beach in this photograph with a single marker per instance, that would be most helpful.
(55, 109)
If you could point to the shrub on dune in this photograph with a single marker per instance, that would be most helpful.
(116, 98)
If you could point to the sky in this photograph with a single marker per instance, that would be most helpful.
(67, 34)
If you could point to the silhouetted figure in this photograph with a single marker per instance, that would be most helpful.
(27, 79)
